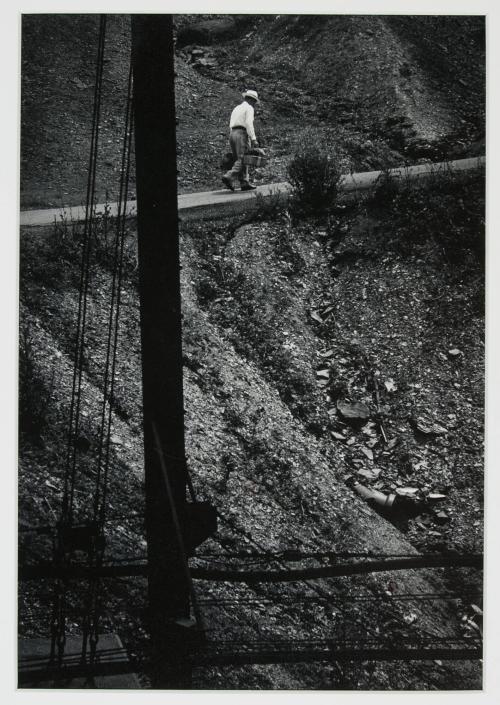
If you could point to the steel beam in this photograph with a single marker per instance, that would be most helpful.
(49, 570)
(291, 655)
(160, 306)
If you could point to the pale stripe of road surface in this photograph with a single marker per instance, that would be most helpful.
(191, 201)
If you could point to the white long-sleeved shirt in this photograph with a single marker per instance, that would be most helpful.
(242, 116)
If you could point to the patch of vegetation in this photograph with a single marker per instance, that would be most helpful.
(287, 251)
(270, 207)
(314, 173)
(446, 210)
(60, 266)
(48, 257)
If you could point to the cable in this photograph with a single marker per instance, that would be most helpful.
(113, 324)
(340, 599)
(70, 470)
(288, 575)
(58, 620)
(291, 555)
(110, 369)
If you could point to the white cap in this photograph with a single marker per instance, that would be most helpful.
(251, 94)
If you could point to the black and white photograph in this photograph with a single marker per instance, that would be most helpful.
(251, 351)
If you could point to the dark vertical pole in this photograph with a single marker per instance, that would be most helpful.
(159, 281)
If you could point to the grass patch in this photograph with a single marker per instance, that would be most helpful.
(314, 173)
(52, 258)
(446, 210)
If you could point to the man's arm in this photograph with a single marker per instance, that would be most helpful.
(249, 113)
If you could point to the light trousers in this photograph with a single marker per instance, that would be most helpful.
(239, 143)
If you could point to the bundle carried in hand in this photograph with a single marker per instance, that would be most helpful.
(255, 157)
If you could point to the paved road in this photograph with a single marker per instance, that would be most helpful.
(192, 201)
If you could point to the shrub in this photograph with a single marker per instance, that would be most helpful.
(385, 190)
(314, 174)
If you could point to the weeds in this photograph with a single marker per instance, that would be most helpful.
(444, 209)
(270, 207)
(287, 251)
(386, 189)
(314, 174)
(64, 245)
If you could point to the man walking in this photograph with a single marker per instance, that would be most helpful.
(241, 138)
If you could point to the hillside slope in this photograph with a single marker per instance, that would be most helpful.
(385, 89)
(281, 324)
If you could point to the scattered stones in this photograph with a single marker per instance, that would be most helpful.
(370, 429)
(435, 496)
(407, 491)
(410, 618)
(315, 315)
(390, 385)
(369, 474)
(338, 436)
(353, 411)
(367, 452)
(428, 426)
(323, 374)
(441, 518)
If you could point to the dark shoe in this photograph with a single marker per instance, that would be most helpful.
(227, 183)
(248, 187)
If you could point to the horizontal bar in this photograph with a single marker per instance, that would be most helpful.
(235, 658)
(47, 570)
(363, 567)
(52, 572)
(264, 656)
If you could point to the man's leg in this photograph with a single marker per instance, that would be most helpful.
(238, 141)
(244, 167)
(244, 175)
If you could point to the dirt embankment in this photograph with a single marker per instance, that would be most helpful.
(281, 323)
(387, 90)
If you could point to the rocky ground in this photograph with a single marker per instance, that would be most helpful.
(319, 355)
(393, 90)
(291, 398)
